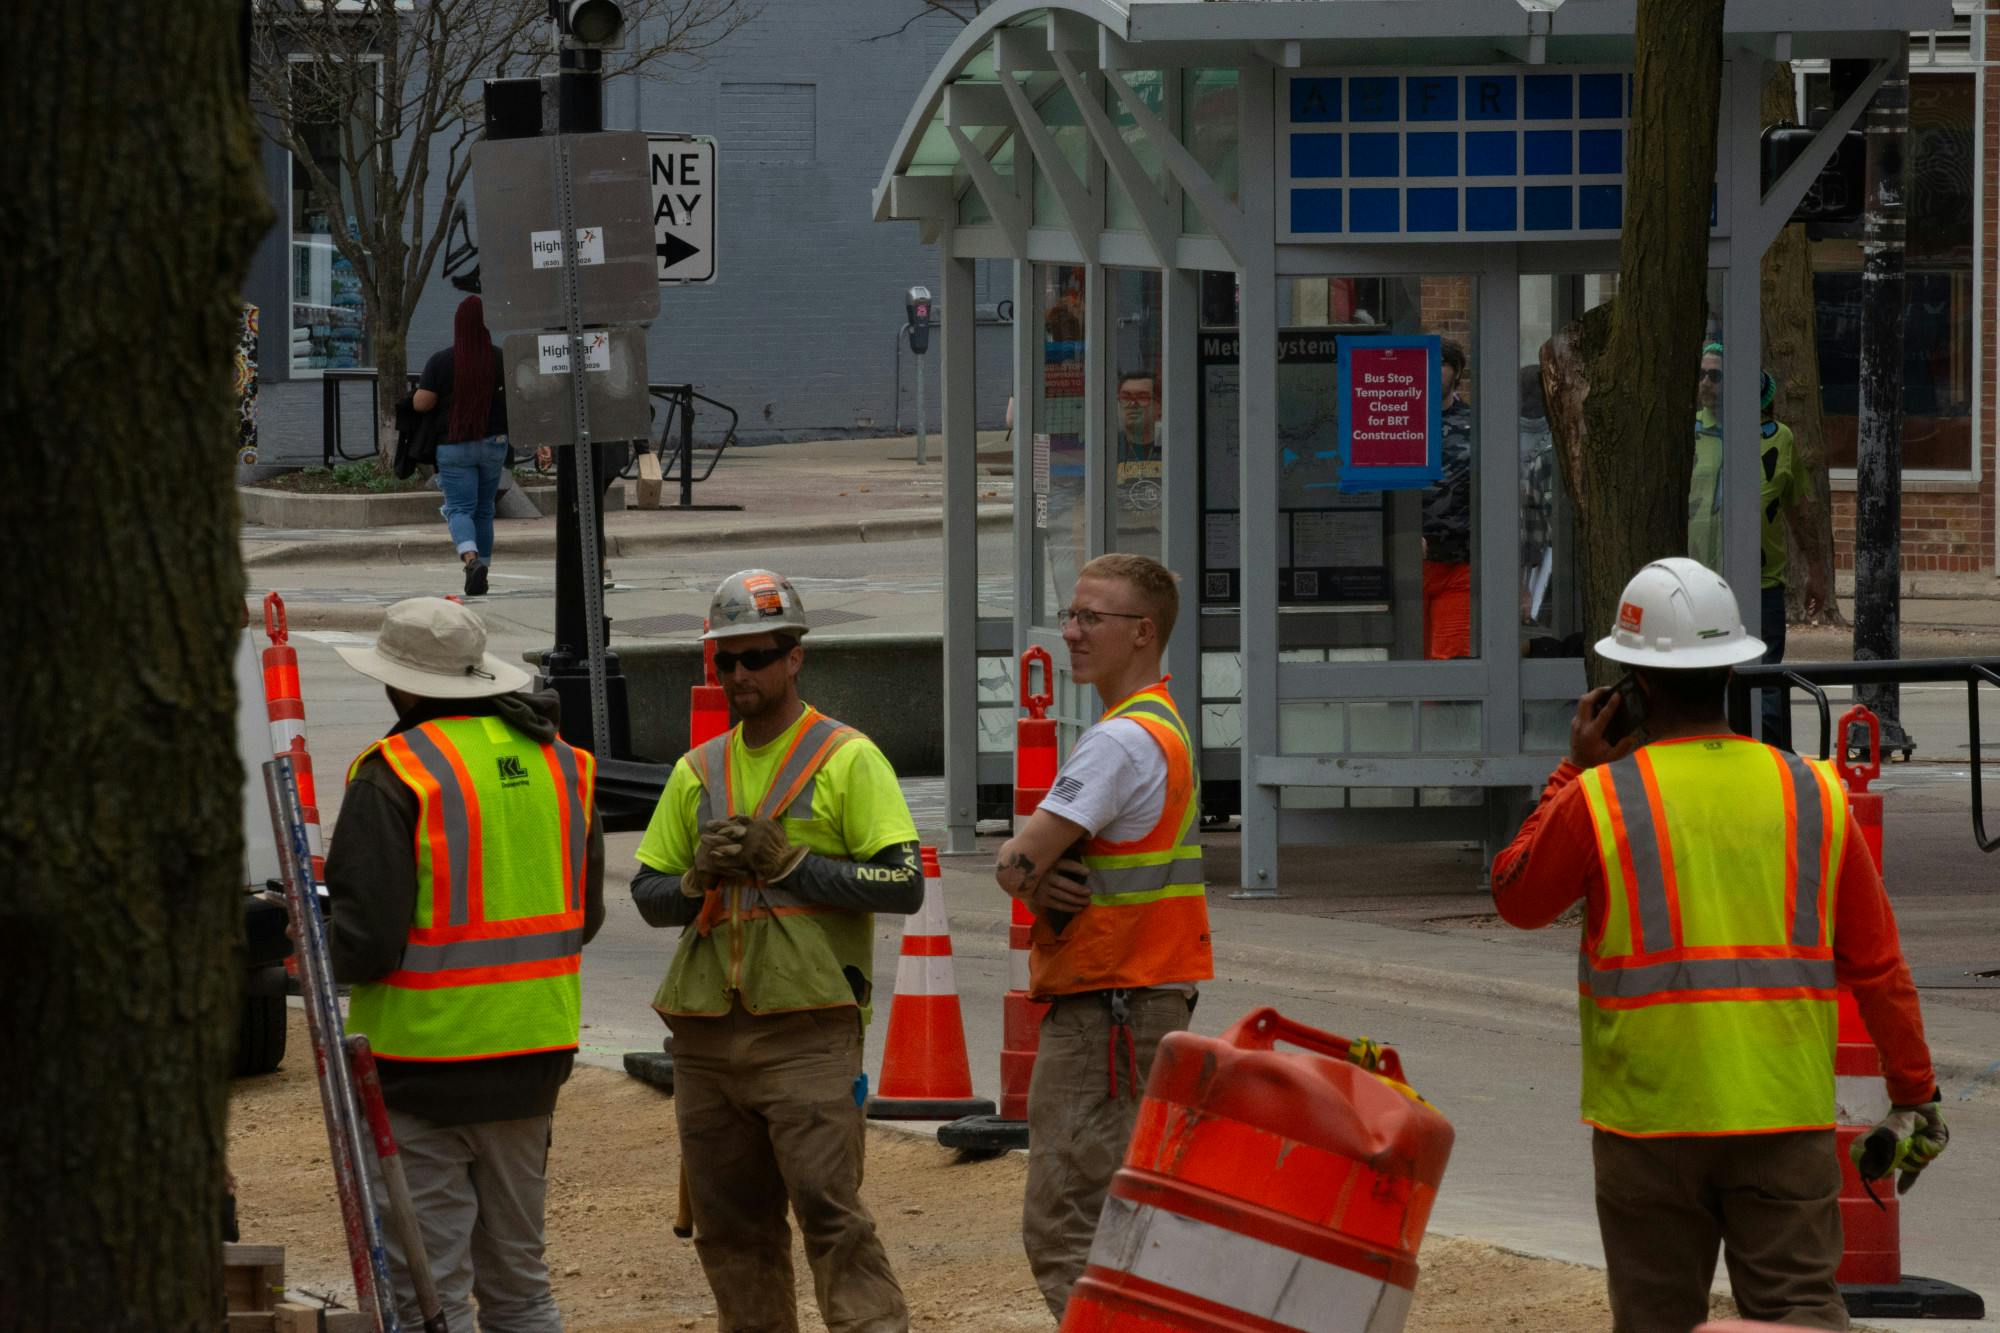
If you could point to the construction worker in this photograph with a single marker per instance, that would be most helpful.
(1111, 866)
(466, 875)
(1726, 893)
(772, 846)
(1785, 492)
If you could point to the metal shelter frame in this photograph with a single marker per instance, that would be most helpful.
(979, 168)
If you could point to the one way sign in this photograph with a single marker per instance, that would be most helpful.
(683, 206)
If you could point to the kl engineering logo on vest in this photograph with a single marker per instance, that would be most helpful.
(512, 774)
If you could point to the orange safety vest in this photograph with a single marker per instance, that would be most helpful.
(1706, 989)
(491, 964)
(1147, 923)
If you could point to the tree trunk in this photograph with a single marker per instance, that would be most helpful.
(1791, 351)
(124, 233)
(392, 360)
(1635, 453)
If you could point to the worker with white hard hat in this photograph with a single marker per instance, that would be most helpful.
(1727, 896)
(772, 847)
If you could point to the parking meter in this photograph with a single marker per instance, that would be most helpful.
(918, 307)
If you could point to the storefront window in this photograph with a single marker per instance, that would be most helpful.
(1937, 347)
(1136, 432)
(328, 324)
(1060, 509)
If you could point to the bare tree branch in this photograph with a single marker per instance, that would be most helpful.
(963, 10)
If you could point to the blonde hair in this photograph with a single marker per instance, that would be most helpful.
(1157, 586)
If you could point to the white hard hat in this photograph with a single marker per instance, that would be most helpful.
(1679, 615)
(755, 601)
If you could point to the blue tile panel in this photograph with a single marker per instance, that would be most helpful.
(1510, 151)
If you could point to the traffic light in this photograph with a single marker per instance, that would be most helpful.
(1838, 191)
(917, 306)
(592, 25)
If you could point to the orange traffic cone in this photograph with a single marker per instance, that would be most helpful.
(924, 1071)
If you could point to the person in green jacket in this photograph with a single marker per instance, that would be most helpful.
(1785, 488)
(772, 847)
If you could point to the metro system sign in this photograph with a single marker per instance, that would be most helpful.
(683, 175)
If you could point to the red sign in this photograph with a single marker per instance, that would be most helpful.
(1389, 406)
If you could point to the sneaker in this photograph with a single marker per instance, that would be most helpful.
(475, 578)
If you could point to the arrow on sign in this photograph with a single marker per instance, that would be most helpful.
(672, 250)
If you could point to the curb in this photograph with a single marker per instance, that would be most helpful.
(430, 549)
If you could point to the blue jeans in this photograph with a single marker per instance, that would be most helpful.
(1777, 717)
(469, 476)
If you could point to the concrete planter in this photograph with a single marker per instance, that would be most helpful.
(288, 509)
(891, 686)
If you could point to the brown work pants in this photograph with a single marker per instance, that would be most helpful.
(1078, 1127)
(767, 1115)
(1770, 1200)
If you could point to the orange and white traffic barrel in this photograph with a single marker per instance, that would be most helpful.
(925, 1075)
(1266, 1190)
(708, 706)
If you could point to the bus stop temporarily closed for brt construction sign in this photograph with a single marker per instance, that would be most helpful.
(1231, 223)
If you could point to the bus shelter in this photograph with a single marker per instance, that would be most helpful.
(1221, 216)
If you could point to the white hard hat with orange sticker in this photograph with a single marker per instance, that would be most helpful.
(1679, 615)
(755, 601)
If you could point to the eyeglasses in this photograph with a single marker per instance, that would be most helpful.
(1085, 618)
(756, 659)
(1136, 399)
(1712, 376)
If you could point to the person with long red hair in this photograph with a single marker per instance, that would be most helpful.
(464, 380)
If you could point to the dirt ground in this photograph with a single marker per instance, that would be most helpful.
(952, 1227)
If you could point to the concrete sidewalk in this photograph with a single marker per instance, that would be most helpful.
(791, 494)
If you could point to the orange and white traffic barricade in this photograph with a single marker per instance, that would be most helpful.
(708, 706)
(1266, 1191)
(1035, 763)
(1871, 1277)
(286, 710)
(925, 1075)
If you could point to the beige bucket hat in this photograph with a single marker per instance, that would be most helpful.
(435, 648)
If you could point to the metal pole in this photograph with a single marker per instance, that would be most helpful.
(923, 454)
(586, 462)
(687, 446)
(1878, 485)
(897, 396)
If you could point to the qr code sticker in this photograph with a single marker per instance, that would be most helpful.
(1305, 583)
(1215, 586)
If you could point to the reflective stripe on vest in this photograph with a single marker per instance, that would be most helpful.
(791, 789)
(1147, 923)
(1706, 989)
(490, 966)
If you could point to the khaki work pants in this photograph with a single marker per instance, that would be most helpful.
(767, 1115)
(478, 1191)
(1078, 1129)
(1770, 1200)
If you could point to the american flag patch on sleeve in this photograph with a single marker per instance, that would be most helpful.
(1066, 789)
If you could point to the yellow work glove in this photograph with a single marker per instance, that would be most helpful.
(1906, 1140)
(768, 853)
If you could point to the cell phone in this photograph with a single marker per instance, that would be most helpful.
(1631, 709)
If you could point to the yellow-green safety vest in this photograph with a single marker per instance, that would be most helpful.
(495, 945)
(762, 942)
(1707, 991)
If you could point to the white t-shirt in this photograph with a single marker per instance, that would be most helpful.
(1114, 783)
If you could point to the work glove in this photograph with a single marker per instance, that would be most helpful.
(768, 853)
(718, 856)
(1908, 1139)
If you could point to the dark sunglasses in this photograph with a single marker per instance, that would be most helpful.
(756, 659)
(1712, 376)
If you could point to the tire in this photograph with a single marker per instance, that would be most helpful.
(260, 1034)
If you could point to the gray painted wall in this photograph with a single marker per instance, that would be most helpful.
(799, 330)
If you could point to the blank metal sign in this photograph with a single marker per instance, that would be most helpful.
(520, 237)
(539, 410)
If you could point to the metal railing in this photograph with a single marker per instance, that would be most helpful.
(330, 382)
(1813, 677)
